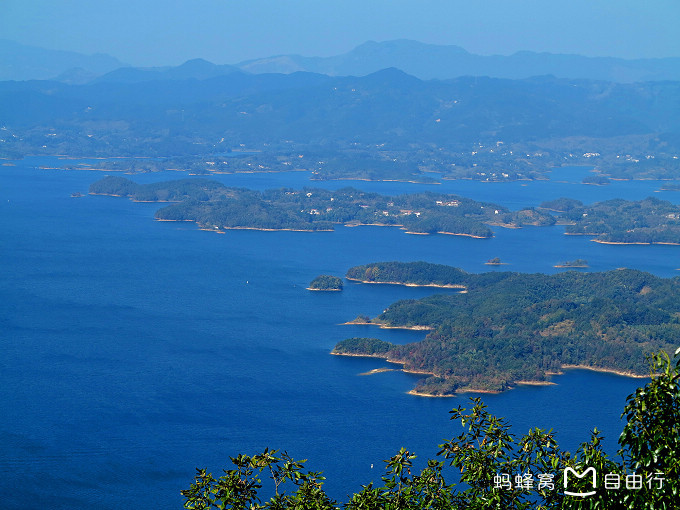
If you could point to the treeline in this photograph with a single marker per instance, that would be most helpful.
(213, 205)
(511, 327)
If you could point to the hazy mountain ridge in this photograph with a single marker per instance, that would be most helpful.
(21, 62)
(425, 61)
(388, 107)
(198, 69)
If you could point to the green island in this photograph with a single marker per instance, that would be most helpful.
(214, 206)
(573, 264)
(511, 328)
(325, 282)
(414, 274)
(597, 180)
(619, 221)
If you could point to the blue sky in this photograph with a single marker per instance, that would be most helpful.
(153, 32)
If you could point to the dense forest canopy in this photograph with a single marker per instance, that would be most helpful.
(511, 327)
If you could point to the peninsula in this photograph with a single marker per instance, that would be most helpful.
(511, 328)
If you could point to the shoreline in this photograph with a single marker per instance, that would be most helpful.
(535, 383)
(272, 229)
(323, 290)
(465, 235)
(428, 395)
(365, 179)
(446, 233)
(379, 371)
(634, 243)
(352, 225)
(437, 285)
(385, 326)
(624, 373)
(207, 229)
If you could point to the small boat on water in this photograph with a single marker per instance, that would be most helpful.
(76, 194)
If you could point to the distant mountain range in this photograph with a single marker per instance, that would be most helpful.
(425, 61)
(21, 62)
(387, 107)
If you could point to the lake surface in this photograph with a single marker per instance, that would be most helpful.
(134, 351)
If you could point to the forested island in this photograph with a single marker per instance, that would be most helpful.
(510, 328)
(573, 264)
(214, 206)
(619, 221)
(416, 274)
(326, 282)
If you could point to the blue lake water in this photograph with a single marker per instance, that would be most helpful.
(134, 351)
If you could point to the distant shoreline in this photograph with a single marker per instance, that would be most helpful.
(365, 179)
(641, 243)
(219, 230)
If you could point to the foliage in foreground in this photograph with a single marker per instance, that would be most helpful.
(497, 471)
